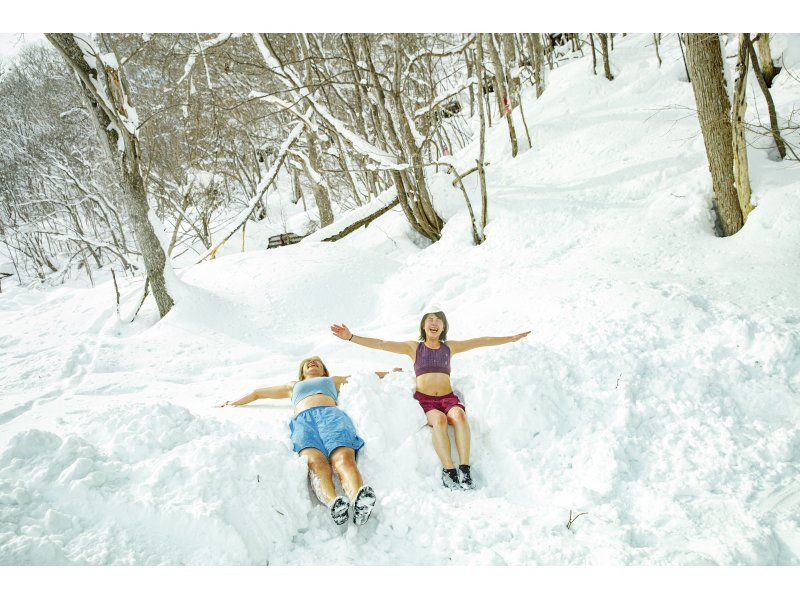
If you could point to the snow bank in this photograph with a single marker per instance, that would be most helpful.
(135, 486)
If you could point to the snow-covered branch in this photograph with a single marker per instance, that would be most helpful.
(199, 50)
(457, 49)
(445, 95)
(301, 91)
(265, 182)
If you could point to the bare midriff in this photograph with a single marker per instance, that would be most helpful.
(434, 384)
(318, 400)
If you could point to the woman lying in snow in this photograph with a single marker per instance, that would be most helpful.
(434, 393)
(326, 435)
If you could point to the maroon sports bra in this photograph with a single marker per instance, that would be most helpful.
(432, 361)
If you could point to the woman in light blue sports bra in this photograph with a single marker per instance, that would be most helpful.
(326, 435)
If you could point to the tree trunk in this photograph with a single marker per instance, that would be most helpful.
(502, 91)
(548, 53)
(481, 172)
(713, 111)
(510, 63)
(111, 113)
(470, 68)
(773, 117)
(537, 56)
(604, 51)
(318, 189)
(683, 57)
(594, 54)
(655, 42)
(741, 174)
(577, 41)
(767, 67)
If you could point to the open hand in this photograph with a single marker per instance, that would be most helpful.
(516, 337)
(342, 331)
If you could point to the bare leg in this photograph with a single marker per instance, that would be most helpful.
(321, 476)
(441, 441)
(343, 460)
(458, 419)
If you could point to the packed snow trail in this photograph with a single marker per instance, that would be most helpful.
(658, 391)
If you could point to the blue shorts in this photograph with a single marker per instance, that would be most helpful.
(325, 429)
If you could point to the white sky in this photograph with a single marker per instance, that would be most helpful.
(12, 43)
(415, 16)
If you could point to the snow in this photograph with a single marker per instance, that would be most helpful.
(657, 392)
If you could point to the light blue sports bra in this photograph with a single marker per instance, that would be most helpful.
(314, 386)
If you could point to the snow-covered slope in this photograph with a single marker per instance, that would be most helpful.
(658, 391)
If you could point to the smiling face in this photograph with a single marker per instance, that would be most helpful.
(433, 327)
(312, 367)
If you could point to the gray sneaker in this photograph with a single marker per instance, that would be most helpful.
(450, 479)
(363, 505)
(466, 477)
(340, 509)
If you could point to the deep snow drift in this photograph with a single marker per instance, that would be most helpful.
(658, 391)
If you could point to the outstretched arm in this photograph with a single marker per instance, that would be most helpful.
(484, 341)
(404, 347)
(283, 391)
(339, 380)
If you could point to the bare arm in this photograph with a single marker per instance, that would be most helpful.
(402, 347)
(484, 341)
(283, 391)
(383, 374)
(339, 380)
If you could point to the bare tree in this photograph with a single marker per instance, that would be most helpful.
(773, 117)
(536, 50)
(502, 92)
(713, 111)
(105, 91)
(656, 39)
(482, 139)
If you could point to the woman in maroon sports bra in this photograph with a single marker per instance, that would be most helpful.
(434, 393)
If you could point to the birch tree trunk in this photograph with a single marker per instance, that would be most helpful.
(108, 102)
(741, 174)
(713, 111)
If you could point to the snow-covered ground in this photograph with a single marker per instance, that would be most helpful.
(659, 391)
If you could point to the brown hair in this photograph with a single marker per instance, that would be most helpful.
(442, 317)
(300, 376)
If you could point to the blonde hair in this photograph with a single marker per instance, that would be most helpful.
(300, 375)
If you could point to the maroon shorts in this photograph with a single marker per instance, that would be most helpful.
(444, 403)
